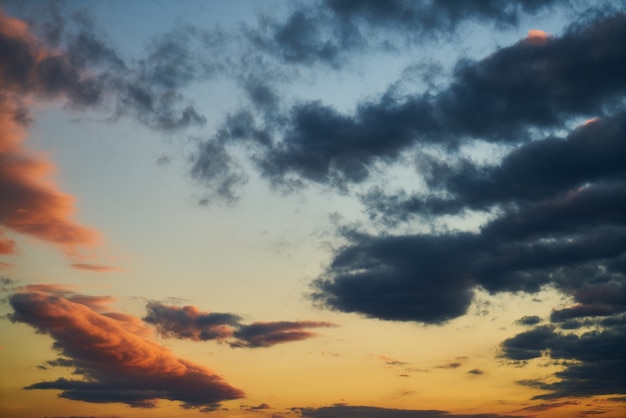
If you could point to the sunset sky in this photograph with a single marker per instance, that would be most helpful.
(318, 209)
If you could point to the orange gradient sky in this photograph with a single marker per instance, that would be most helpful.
(326, 209)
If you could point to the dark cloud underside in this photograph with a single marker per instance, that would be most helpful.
(190, 323)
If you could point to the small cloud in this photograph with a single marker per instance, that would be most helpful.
(476, 372)
(537, 37)
(390, 362)
(163, 160)
(453, 365)
(99, 268)
(528, 320)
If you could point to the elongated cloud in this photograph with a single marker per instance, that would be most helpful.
(115, 363)
(31, 203)
(332, 32)
(350, 411)
(189, 322)
(314, 143)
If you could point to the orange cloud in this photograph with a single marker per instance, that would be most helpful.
(116, 363)
(537, 37)
(7, 246)
(31, 203)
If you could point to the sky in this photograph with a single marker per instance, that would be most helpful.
(317, 209)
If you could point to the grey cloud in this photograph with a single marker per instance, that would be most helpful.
(595, 360)
(332, 32)
(579, 74)
(529, 320)
(190, 323)
(348, 411)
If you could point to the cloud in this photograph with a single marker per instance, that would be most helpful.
(70, 61)
(453, 365)
(116, 365)
(88, 71)
(314, 143)
(267, 334)
(347, 411)
(32, 204)
(332, 32)
(93, 267)
(549, 406)
(593, 359)
(190, 323)
(529, 320)
(561, 225)
(256, 408)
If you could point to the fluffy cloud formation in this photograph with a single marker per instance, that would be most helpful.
(562, 225)
(578, 74)
(189, 322)
(116, 363)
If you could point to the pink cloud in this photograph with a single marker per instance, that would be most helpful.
(32, 204)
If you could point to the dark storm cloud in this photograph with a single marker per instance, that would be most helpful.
(533, 84)
(592, 153)
(189, 322)
(560, 221)
(331, 32)
(91, 343)
(347, 411)
(267, 334)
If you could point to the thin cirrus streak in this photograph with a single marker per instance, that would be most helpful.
(190, 323)
(32, 204)
(109, 352)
